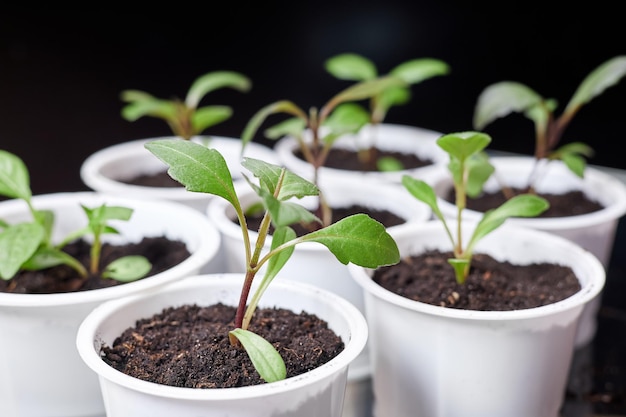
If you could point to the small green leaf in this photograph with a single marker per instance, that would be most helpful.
(14, 178)
(358, 239)
(604, 76)
(461, 268)
(502, 98)
(418, 70)
(127, 268)
(462, 145)
(46, 257)
(208, 116)
(389, 164)
(266, 360)
(283, 106)
(290, 127)
(347, 118)
(479, 170)
(213, 81)
(524, 205)
(198, 168)
(17, 244)
(155, 108)
(268, 174)
(575, 163)
(351, 66)
(365, 90)
(423, 192)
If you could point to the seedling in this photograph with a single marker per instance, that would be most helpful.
(358, 238)
(340, 115)
(185, 118)
(470, 169)
(505, 97)
(355, 67)
(29, 246)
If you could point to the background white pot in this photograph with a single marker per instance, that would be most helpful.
(318, 392)
(594, 232)
(435, 361)
(105, 169)
(41, 374)
(402, 138)
(312, 262)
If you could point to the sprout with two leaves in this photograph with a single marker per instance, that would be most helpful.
(503, 98)
(358, 238)
(29, 246)
(339, 116)
(355, 67)
(470, 169)
(185, 118)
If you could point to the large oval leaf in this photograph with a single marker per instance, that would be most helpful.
(502, 98)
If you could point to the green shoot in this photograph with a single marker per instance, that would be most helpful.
(470, 169)
(503, 98)
(355, 67)
(337, 117)
(28, 245)
(358, 238)
(185, 118)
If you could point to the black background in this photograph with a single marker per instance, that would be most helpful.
(61, 72)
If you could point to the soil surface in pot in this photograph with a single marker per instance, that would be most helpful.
(188, 346)
(572, 203)
(385, 217)
(162, 253)
(492, 285)
(158, 179)
(339, 158)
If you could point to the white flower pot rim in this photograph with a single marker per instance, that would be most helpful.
(587, 293)
(352, 347)
(614, 210)
(91, 174)
(209, 241)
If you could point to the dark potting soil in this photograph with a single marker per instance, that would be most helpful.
(157, 179)
(188, 346)
(162, 253)
(385, 217)
(340, 158)
(492, 285)
(572, 203)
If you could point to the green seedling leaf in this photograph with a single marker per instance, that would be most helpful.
(127, 268)
(423, 192)
(366, 89)
(418, 70)
(184, 118)
(213, 81)
(14, 178)
(501, 99)
(480, 170)
(389, 164)
(148, 106)
(525, 205)
(283, 106)
(351, 67)
(17, 244)
(347, 118)
(47, 257)
(268, 174)
(266, 360)
(358, 239)
(208, 116)
(290, 127)
(606, 75)
(462, 145)
(284, 213)
(198, 168)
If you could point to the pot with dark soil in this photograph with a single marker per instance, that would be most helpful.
(257, 366)
(316, 332)
(479, 317)
(312, 263)
(584, 210)
(40, 312)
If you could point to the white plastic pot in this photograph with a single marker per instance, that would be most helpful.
(41, 374)
(313, 263)
(319, 392)
(401, 138)
(594, 232)
(435, 361)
